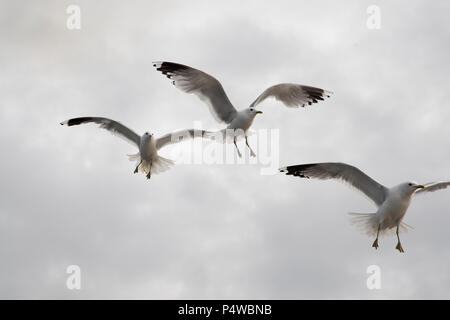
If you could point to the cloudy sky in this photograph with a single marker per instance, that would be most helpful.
(68, 195)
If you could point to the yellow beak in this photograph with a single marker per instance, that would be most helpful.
(259, 112)
(420, 186)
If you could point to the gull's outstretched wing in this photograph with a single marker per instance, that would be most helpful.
(114, 127)
(341, 171)
(434, 186)
(293, 95)
(206, 87)
(181, 135)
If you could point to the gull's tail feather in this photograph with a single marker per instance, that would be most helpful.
(227, 135)
(404, 227)
(161, 164)
(366, 223)
(158, 165)
(134, 157)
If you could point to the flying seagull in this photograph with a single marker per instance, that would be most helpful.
(208, 89)
(392, 202)
(148, 160)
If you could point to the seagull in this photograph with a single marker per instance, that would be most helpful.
(208, 89)
(148, 160)
(392, 202)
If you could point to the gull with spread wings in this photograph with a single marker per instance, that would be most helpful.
(148, 160)
(392, 202)
(208, 89)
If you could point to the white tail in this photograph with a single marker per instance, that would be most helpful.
(134, 157)
(158, 165)
(368, 223)
(161, 164)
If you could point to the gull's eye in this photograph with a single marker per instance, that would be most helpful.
(251, 109)
(410, 184)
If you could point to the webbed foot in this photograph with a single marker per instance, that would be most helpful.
(375, 244)
(399, 247)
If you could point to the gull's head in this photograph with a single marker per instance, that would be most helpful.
(253, 112)
(410, 187)
(148, 135)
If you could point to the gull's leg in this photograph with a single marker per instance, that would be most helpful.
(252, 154)
(239, 153)
(137, 167)
(149, 174)
(375, 243)
(399, 245)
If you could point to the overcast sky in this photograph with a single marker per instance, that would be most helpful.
(68, 195)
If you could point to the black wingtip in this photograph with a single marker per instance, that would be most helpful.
(76, 121)
(316, 94)
(169, 67)
(297, 170)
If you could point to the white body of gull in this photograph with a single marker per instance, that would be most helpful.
(208, 89)
(148, 160)
(392, 202)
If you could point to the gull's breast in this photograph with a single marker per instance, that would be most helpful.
(147, 149)
(241, 121)
(392, 212)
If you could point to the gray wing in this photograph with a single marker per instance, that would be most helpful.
(114, 127)
(434, 186)
(293, 95)
(341, 171)
(181, 135)
(206, 87)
